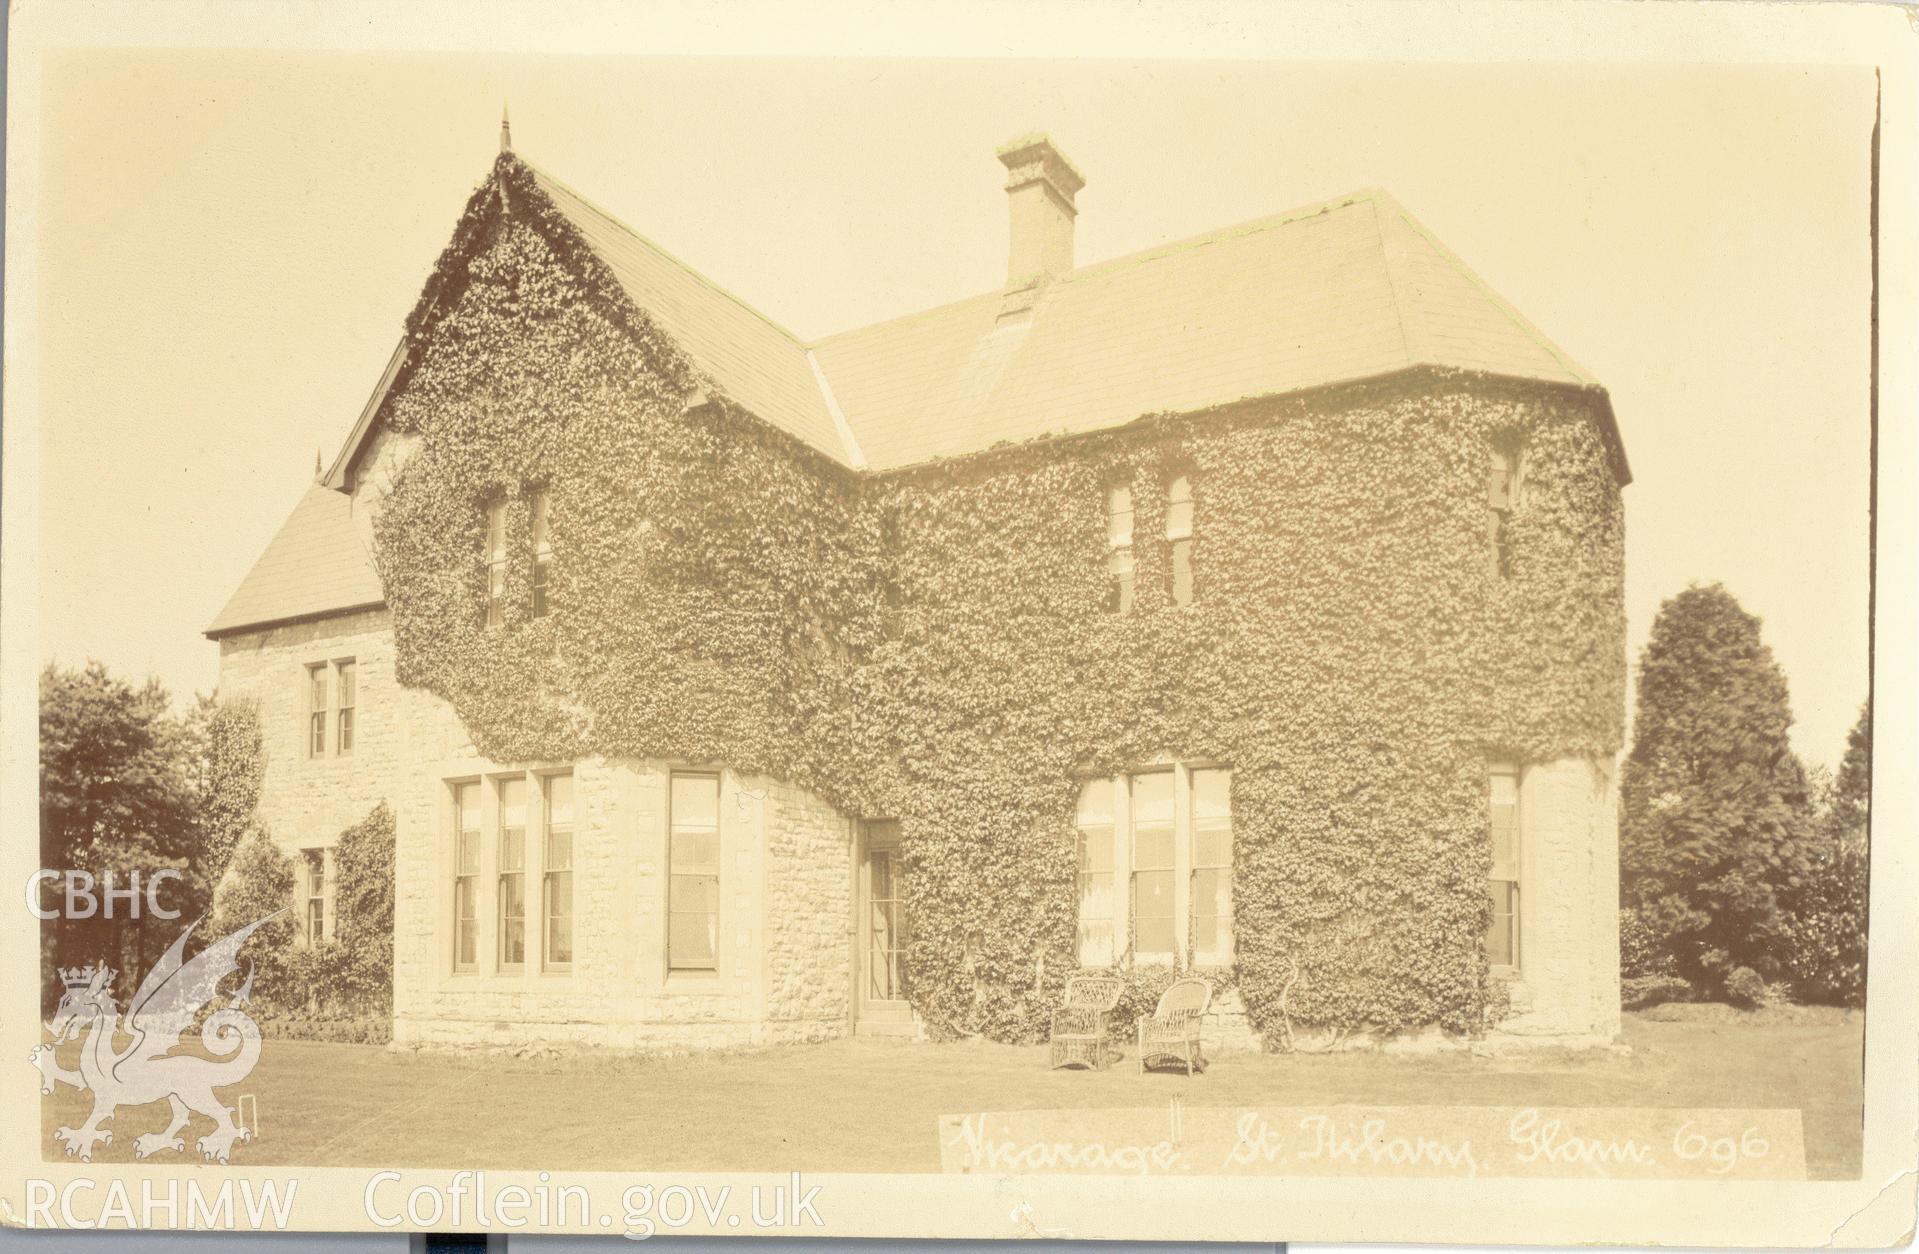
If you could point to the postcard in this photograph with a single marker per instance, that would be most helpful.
(1225, 624)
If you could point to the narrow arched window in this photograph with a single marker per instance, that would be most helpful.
(495, 563)
(1179, 535)
(542, 556)
(1119, 544)
(1502, 496)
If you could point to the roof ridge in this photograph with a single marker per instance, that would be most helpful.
(1155, 252)
(548, 176)
(1524, 324)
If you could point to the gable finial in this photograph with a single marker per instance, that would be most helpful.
(317, 471)
(506, 131)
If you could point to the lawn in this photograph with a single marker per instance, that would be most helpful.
(864, 1105)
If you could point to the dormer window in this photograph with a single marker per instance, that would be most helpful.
(1502, 496)
(1119, 545)
(1179, 535)
(542, 555)
(496, 563)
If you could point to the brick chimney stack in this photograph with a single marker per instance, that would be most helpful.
(1040, 186)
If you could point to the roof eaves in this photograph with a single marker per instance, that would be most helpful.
(217, 630)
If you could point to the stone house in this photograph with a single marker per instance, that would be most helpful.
(1250, 605)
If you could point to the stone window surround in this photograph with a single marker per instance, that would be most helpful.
(1182, 773)
(487, 970)
(328, 671)
(1530, 858)
(304, 894)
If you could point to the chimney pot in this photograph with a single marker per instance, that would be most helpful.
(1040, 186)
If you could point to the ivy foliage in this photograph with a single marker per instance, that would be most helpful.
(933, 644)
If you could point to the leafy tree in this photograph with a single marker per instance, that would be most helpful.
(226, 762)
(1715, 817)
(258, 884)
(1827, 914)
(116, 799)
(363, 867)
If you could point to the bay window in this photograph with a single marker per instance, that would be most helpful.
(1166, 834)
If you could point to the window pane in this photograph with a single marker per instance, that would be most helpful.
(696, 801)
(1119, 515)
(346, 731)
(1505, 820)
(695, 852)
(1153, 914)
(1499, 481)
(348, 683)
(1179, 507)
(692, 939)
(512, 920)
(1182, 572)
(1095, 802)
(316, 688)
(1212, 794)
(513, 802)
(559, 850)
(496, 531)
(1502, 938)
(1153, 798)
(559, 916)
(559, 801)
(695, 894)
(539, 522)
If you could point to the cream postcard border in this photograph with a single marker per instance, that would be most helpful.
(1877, 1210)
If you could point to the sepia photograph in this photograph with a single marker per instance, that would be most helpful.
(884, 639)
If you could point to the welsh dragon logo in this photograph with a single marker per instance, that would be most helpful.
(145, 1071)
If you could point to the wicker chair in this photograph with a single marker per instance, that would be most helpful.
(1079, 1025)
(1172, 1033)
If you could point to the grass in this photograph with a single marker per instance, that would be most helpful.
(863, 1105)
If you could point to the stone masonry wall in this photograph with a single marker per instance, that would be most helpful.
(1568, 984)
(307, 801)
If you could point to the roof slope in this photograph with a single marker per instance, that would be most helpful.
(315, 564)
(1350, 289)
(753, 359)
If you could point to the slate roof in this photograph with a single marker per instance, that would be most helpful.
(753, 358)
(315, 564)
(1349, 289)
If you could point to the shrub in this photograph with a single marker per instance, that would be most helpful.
(1746, 989)
(1639, 991)
(1826, 928)
(1641, 954)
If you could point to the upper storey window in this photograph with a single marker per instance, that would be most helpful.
(1119, 544)
(1502, 497)
(332, 700)
(1179, 535)
(496, 563)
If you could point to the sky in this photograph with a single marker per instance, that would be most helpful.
(230, 241)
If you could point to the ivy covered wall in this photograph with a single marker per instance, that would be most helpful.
(933, 645)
